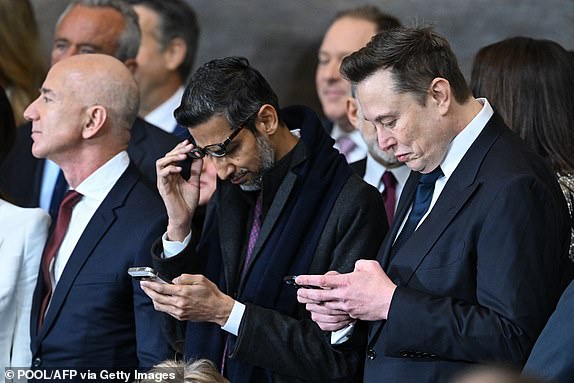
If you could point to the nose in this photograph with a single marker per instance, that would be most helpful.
(30, 114)
(385, 140)
(330, 70)
(223, 168)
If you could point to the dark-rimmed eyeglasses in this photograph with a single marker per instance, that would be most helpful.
(218, 150)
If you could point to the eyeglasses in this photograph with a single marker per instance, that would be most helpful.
(218, 150)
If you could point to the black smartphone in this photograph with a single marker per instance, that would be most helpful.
(146, 274)
(290, 280)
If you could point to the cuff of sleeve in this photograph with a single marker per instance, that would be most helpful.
(342, 335)
(234, 320)
(172, 248)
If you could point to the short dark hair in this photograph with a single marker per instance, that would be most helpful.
(414, 56)
(7, 125)
(370, 13)
(227, 87)
(531, 83)
(176, 19)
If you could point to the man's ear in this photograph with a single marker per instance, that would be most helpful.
(175, 53)
(267, 120)
(96, 117)
(353, 111)
(132, 65)
(440, 94)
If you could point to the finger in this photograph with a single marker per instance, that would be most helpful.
(318, 295)
(323, 281)
(189, 279)
(332, 272)
(159, 288)
(324, 310)
(166, 171)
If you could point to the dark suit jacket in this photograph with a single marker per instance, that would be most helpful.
(359, 167)
(98, 315)
(551, 357)
(292, 347)
(21, 172)
(481, 275)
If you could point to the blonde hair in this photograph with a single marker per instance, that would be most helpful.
(199, 371)
(23, 66)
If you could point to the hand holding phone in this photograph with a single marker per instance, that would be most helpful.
(146, 274)
(290, 280)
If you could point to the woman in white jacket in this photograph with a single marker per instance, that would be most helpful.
(23, 234)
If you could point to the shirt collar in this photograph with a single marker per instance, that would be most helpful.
(374, 171)
(162, 116)
(462, 142)
(99, 183)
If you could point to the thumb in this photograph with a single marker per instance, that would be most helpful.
(364, 264)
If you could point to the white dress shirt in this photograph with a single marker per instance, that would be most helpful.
(374, 172)
(456, 150)
(162, 116)
(360, 150)
(94, 190)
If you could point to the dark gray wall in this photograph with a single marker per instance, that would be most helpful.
(281, 37)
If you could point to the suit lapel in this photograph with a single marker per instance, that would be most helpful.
(405, 202)
(100, 223)
(135, 150)
(231, 217)
(273, 214)
(460, 187)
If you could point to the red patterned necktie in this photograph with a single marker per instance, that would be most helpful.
(71, 198)
(389, 194)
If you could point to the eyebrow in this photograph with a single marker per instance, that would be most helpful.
(47, 91)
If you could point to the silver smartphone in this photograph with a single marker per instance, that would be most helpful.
(147, 273)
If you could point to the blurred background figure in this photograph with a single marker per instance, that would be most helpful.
(350, 30)
(531, 84)
(551, 357)
(22, 239)
(170, 35)
(199, 371)
(85, 26)
(22, 65)
(494, 374)
(380, 168)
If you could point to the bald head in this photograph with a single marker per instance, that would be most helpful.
(98, 79)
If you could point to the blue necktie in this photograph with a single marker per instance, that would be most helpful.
(421, 204)
(60, 189)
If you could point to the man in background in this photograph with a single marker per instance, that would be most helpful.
(350, 30)
(170, 35)
(86, 26)
(380, 168)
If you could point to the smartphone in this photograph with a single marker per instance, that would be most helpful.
(146, 274)
(290, 280)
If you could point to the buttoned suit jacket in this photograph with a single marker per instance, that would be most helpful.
(480, 276)
(98, 315)
(551, 357)
(22, 239)
(21, 173)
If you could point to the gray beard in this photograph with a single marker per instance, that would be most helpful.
(266, 157)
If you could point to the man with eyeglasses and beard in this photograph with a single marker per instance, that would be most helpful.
(286, 203)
